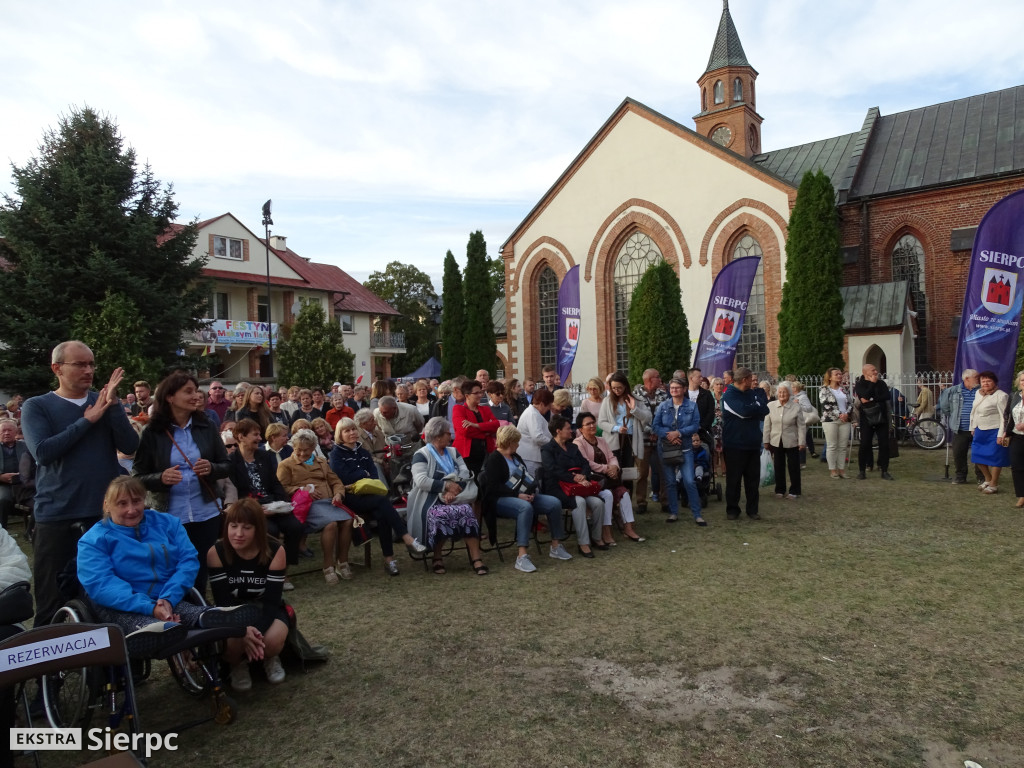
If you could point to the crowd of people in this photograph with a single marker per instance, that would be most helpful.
(230, 486)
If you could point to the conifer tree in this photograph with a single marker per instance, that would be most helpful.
(84, 223)
(811, 316)
(480, 349)
(453, 320)
(658, 335)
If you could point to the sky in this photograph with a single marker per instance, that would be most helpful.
(388, 131)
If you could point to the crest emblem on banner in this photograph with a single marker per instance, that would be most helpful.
(572, 331)
(998, 290)
(726, 324)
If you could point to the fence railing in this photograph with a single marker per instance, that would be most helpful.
(388, 340)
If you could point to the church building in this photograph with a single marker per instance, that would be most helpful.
(911, 189)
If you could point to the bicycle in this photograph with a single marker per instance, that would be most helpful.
(928, 432)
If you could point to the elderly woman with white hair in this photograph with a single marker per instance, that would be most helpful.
(303, 470)
(439, 502)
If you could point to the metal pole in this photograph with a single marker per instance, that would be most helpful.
(267, 221)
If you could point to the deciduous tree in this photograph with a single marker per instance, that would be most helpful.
(410, 291)
(312, 353)
(86, 221)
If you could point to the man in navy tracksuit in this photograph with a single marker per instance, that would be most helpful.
(743, 411)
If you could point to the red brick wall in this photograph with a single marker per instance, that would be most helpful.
(930, 216)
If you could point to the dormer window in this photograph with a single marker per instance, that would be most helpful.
(737, 90)
(719, 92)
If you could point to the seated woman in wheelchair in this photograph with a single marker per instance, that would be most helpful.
(136, 565)
(246, 566)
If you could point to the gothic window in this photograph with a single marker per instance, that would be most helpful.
(703, 99)
(751, 351)
(719, 92)
(547, 303)
(908, 264)
(737, 90)
(637, 254)
(754, 147)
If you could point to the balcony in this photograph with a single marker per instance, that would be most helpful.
(387, 343)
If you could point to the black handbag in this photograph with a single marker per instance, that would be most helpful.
(671, 453)
(873, 414)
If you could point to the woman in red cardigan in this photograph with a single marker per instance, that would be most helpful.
(475, 426)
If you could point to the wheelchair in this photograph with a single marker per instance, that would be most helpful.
(72, 695)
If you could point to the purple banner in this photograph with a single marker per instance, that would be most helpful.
(723, 320)
(568, 322)
(990, 323)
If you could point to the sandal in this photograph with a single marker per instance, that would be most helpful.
(439, 567)
(481, 570)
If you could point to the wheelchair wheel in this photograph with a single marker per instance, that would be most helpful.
(187, 667)
(69, 696)
(928, 434)
(718, 491)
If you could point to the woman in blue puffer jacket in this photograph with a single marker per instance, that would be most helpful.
(136, 564)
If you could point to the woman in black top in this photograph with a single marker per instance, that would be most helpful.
(248, 567)
(254, 474)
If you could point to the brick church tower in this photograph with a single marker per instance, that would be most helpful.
(727, 102)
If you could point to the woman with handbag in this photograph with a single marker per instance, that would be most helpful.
(352, 463)
(326, 512)
(247, 568)
(180, 459)
(509, 490)
(568, 477)
(675, 422)
(622, 419)
(443, 490)
(988, 422)
(254, 475)
(1013, 432)
(783, 435)
(603, 462)
(836, 412)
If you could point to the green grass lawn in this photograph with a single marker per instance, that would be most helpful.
(867, 623)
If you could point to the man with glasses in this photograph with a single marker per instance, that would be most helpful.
(74, 434)
(217, 402)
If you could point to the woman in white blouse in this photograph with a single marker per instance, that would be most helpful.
(988, 448)
(1013, 434)
(836, 407)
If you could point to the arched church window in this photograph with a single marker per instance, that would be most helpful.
(754, 147)
(637, 254)
(737, 90)
(547, 321)
(719, 92)
(908, 264)
(703, 99)
(751, 351)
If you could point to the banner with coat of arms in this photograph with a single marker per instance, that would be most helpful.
(568, 322)
(990, 322)
(723, 319)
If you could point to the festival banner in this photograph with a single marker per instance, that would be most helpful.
(568, 322)
(990, 322)
(241, 332)
(723, 320)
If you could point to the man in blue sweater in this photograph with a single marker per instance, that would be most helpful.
(743, 411)
(74, 435)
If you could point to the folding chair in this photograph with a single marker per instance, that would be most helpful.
(54, 648)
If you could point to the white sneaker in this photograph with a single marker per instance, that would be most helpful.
(240, 678)
(559, 553)
(274, 670)
(417, 547)
(344, 570)
(287, 586)
(525, 564)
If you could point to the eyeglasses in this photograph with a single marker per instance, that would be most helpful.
(229, 446)
(216, 389)
(80, 365)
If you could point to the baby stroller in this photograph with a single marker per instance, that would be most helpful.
(704, 471)
(398, 466)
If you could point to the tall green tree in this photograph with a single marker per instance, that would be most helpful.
(453, 320)
(658, 334)
(496, 268)
(115, 331)
(481, 351)
(86, 220)
(311, 352)
(410, 291)
(811, 314)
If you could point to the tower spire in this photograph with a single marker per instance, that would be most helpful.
(727, 50)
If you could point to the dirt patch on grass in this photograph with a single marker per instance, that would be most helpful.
(669, 695)
(940, 754)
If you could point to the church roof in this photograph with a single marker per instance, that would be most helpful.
(727, 50)
(959, 141)
(879, 305)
